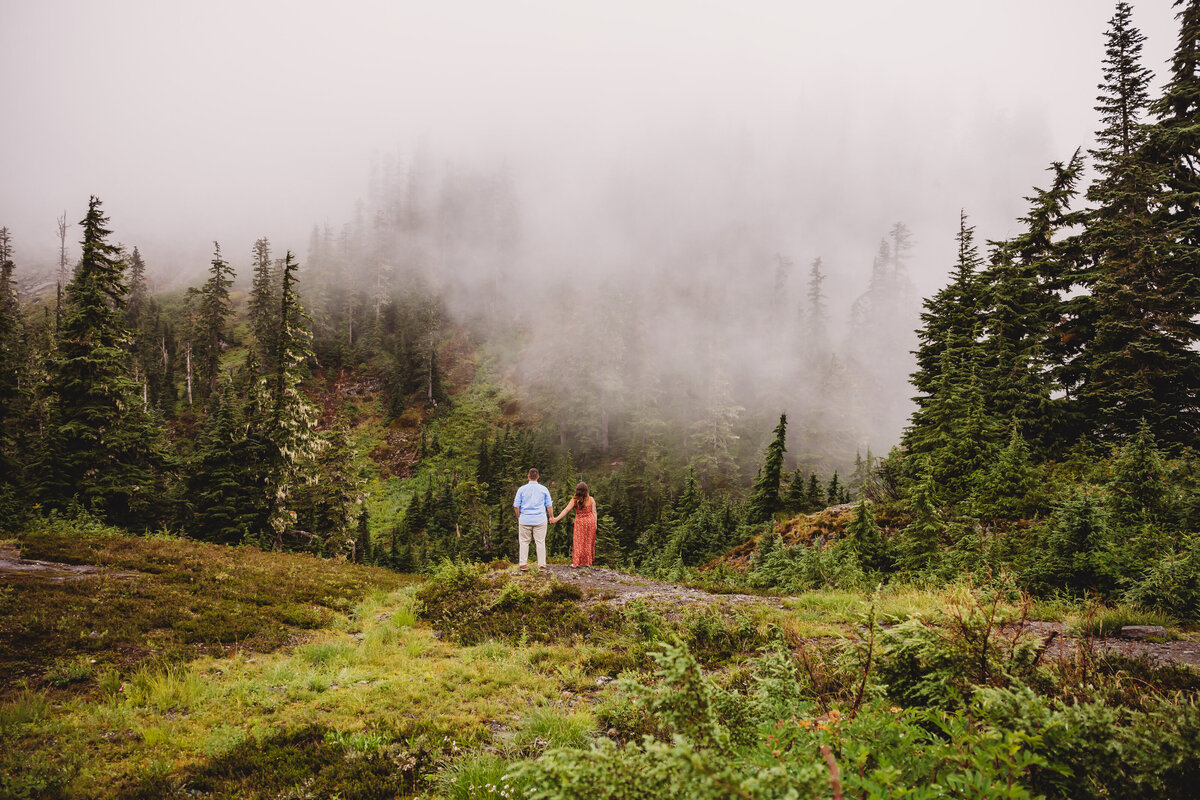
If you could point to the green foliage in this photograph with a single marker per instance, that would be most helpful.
(1139, 489)
(1078, 545)
(941, 666)
(798, 568)
(471, 607)
(479, 776)
(873, 552)
(1095, 750)
(1172, 583)
(778, 747)
(764, 496)
(102, 447)
(176, 596)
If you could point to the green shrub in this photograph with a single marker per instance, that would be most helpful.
(65, 672)
(549, 727)
(479, 776)
(800, 568)
(1094, 750)
(1172, 584)
(940, 666)
(472, 607)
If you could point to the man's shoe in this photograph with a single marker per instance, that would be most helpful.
(523, 568)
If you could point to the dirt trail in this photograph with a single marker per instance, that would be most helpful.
(618, 588)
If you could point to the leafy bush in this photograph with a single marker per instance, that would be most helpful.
(940, 666)
(1172, 584)
(1094, 750)
(799, 568)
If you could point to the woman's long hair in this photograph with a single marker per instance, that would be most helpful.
(581, 494)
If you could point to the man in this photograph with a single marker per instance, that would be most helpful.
(533, 508)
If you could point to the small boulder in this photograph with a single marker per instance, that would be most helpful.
(1142, 632)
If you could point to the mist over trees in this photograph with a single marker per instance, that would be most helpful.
(677, 347)
(694, 333)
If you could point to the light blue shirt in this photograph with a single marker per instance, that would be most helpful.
(533, 499)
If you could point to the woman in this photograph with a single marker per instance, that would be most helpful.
(583, 550)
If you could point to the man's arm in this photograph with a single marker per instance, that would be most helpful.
(550, 513)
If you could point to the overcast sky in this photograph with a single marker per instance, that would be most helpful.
(232, 120)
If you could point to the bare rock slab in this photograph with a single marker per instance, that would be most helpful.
(1143, 632)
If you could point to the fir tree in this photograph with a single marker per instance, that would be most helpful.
(1167, 356)
(1139, 490)
(923, 539)
(362, 540)
(263, 305)
(689, 498)
(1009, 480)
(139, 292)
(814, 499)
(292, 419)
(109, 453)
(818, 315)
(1022, 337)
(949, 325)
(12, 357)
(1078, 547)
(225, 502)
(214, 312)
(795, 499)
(764, 497)
(833, 492)
(867, 539)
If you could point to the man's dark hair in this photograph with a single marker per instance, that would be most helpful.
(533, 474)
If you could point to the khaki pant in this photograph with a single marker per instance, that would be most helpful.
(538, 534)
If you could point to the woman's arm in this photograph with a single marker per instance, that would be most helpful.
(570, 505)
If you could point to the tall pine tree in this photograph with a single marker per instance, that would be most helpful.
(764, 497)
(214, 312)
(108, 451)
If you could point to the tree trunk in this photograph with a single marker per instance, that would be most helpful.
(188, 357)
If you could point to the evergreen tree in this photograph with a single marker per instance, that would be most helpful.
(12, 358)
(833, 492)
(263, 305)
(764, 497)
(1138, 363)
(1078, 547)
(292, 419)
(867, 540)
(814, 499)
(818, 315)
(225, 501)
(689, 498)
(109, 452)
(950, 323)
(922, 540)
(362, 540)
(327, 496)
(1166, 385)
(1009, 480)
(795, 499)
(214, 312)
(139, 292)
(1139, 490)
(1023, 309)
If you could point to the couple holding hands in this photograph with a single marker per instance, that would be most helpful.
(534, 509)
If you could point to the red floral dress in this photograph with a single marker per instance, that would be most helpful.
(583, 551)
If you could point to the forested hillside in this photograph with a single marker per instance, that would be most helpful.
(382, 400)
(256, 534)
